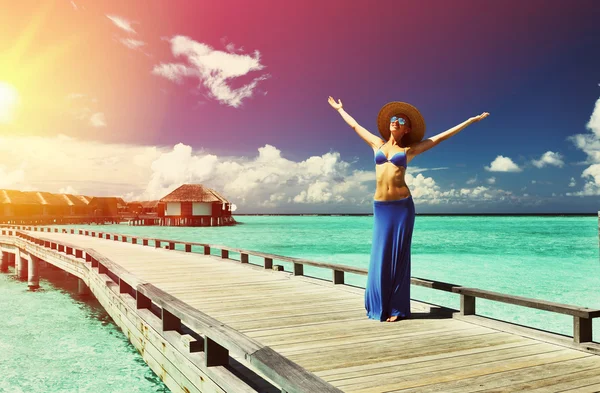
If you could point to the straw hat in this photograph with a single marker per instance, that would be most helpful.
(396, 108)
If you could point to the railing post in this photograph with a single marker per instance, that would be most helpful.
(582, 329)
(338, 277)
(124, 287)
(142, 301)
(298, 269)
(188, 248)
(170, 321)
(171, 245)
(156, 243)
(268, 263)
(225, 254)
(467, 305)
(3, 262)
(206, 250)
(216, 355)
(244, 258)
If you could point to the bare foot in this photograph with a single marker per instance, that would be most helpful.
(387, 320)
(393, 319)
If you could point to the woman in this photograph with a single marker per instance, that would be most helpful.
(387, 294)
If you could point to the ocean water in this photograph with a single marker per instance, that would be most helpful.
(53, 341)
(550, 258)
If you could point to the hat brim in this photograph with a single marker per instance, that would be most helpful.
(396, 108)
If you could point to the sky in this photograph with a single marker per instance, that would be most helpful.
(134, 98)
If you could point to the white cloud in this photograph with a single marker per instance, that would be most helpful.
(572, 183)
(503, 164)
(84, 108)
(98, 120)
(590, 144)
(132, 44)
(549, 158)
(68, 190)
(491, 180)
(215, 69)
(267, 180)
(174, 72)
(121, 23)
(472, 180)
(90, 168)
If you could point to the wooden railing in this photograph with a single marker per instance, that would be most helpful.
(582, 316)
(219, 340)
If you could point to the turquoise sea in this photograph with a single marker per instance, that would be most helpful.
(550, 258)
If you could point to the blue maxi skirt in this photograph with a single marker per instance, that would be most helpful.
(387, 293)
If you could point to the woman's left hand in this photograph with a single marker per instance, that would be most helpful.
(480, 117)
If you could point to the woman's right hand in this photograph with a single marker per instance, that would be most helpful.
(335, 105)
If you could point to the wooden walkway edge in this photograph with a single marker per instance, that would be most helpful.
(213, 325)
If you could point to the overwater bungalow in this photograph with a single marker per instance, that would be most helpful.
(194, 205)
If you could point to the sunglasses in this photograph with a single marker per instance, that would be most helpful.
(398, 119)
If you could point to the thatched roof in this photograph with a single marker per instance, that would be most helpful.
(102, 201)
(75, 200)
(47, 198)
(85, 198)
(19, 197)
(149, 204)
(194, 193)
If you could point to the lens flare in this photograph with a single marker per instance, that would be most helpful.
(9, 100)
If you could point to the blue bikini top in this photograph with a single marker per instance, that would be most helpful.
(398, 159)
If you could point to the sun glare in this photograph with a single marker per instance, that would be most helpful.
(9, 100)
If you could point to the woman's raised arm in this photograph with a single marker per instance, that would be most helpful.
(427, 144)
(372, 140)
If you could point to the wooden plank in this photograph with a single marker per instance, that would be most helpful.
(456, 367)
(487, 378)
(556, 383)
(328, 360)
(423, 361)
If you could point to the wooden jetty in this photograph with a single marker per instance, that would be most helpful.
(211, 323)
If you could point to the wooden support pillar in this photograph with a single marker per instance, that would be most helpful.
(188, 248)
(338, 277)
(82, 288)
(216, 355)
(467, 305)
(20, 266)
(206, 250)
(582, 330)
(170, 321)
(171, 245)
(33, 277)
(268, 263)
(142, 301)
(244, 258)
(298, 269)
(225, 254)
(3, 262)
